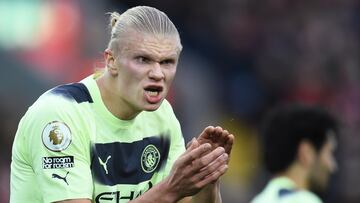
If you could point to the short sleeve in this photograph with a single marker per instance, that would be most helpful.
(58, 149)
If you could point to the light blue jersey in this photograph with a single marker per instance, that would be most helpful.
(283, 190)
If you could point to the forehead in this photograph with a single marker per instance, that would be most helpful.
(157, 46)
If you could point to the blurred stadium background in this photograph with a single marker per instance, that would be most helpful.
(240, 58)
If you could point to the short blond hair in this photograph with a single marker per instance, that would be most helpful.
(143, 19)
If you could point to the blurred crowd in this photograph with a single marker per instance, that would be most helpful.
(240, 58)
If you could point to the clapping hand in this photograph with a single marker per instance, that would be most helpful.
(216, 137)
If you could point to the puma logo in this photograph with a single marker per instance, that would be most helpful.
(61, 178)
(104, 165)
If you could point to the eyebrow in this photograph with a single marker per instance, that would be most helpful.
(150, 56)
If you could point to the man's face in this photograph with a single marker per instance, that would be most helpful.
(324, 166)
(146, 66)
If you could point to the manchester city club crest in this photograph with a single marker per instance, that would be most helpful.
(150, 158)
(56, 136)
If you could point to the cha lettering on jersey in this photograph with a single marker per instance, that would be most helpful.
(117, 196)
(58, 162)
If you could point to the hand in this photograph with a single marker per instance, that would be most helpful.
(196, 168)
(217, 137)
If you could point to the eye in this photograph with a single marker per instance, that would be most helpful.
(167, 62)
(142, 59)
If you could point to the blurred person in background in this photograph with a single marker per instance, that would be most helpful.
(113, 136)
(298, 149)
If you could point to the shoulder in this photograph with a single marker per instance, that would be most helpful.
(301, 196)
(62, 98)
(63, 103)
(163, 113)
(287, 197)
(166, 110)
(305, 196)
(76, 92)
(262, 197)
(166, 106)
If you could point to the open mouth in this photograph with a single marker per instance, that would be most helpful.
(153, 90)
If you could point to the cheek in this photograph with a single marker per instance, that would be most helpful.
(170, 75)
(327, 159)
(126, 85)
(320, 172)
(331, 164)
(131, 74)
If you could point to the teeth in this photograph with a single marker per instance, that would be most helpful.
(151, 93)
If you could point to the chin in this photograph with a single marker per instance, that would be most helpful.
(318, 187)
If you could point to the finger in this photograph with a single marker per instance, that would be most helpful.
(207, 159)
(224, 137)
(191, 145)
(218, 128)
(212, 167)
(207, 132)
(194, 152)
(221, 171)
(229, 143)
(213, 176)
(194, 144)
(216, 136)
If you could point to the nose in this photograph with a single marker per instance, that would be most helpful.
(156, 73)
(333, 166)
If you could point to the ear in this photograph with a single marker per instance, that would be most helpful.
(110, 62)
(306, 154)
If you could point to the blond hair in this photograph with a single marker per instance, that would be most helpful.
(143, 19)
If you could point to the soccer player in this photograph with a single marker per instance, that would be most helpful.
(298, 146)
(113, 137)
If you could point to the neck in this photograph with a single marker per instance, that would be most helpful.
(113, 102)
(298, 175)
